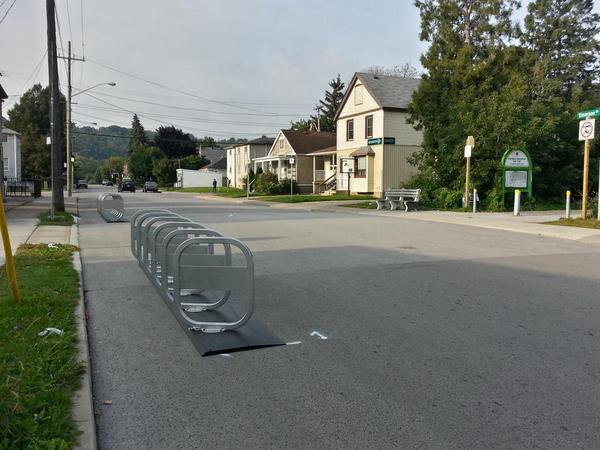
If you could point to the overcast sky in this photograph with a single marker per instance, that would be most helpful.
(268, 60)
(244, 67)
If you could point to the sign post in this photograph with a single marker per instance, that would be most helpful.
(517, 168)
(468, 150)
(586, 134)
(292, 178)
(348, 168)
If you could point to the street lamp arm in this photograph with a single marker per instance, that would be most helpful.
(95, 86)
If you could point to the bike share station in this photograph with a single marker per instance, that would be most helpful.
(206, 279)
(517, 170)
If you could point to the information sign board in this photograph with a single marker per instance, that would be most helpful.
(347, 165)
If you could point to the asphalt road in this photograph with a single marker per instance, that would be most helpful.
(438, 336)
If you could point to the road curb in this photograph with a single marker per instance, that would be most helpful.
(83, 405)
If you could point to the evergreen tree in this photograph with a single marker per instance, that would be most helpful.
(137, 135)
(329, 105)
(561, 39)
(174, 143)
(474, 85)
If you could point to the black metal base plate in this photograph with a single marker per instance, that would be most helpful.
(250, 336)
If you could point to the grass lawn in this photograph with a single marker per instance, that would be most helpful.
(583, 223)
(302, 198)
(60, 218)
(221, 191)
(38, 375)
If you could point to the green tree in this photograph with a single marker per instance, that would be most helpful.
(137, 135)
(301, 125)
(31, 118)
(141, 163)
(174, 143)
(193, 162)
(164, 170)
(330, 104)
(112, 165)
(474, 85)
(561, 37)
(208, 141)
(87, 168)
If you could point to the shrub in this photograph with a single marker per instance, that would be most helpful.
(266, 183)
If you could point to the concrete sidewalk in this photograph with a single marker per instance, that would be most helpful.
(22, 218)
(529, 222)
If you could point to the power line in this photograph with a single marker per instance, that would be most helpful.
(7, 11)
(188, 119)
(229, 133)
(36, 71)
(184, 108)
(178, 90)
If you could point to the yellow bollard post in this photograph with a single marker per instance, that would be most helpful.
(10, 264)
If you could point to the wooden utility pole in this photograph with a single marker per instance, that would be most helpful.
(58, 200)
(586, 171)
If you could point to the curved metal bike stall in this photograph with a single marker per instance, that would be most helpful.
(207, 280)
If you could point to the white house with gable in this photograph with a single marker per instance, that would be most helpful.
(373, 135)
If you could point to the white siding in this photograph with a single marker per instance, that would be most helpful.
(395, 126)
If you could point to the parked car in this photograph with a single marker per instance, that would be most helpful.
(82, 184)
(106, 182)
(127, 186)
(150, 186)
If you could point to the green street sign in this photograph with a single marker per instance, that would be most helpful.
(589, 113)
(374, 141)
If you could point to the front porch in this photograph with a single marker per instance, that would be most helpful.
(324, 171)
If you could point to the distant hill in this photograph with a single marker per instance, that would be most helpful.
(101, 143)
(104, 142)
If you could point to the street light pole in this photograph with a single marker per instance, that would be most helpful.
(70, 58)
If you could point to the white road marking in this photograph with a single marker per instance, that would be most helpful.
(316, 333)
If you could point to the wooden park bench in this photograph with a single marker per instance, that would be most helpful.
(396, 197)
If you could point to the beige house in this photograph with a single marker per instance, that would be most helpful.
(373, 138)
(291, 156)
(240, 156)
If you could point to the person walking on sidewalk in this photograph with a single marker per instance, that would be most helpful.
(214, 185)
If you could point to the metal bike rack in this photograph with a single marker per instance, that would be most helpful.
(205, 277)
(146, 228)
(158, 234)
(199, 298)
(110, 207)
(135, 218)
(213, 272)
(138, 243)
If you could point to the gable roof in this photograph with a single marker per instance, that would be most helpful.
(2, 93)
(263, 140)
(9, 131)
(389, 92)
(219, 164)
(304, 142)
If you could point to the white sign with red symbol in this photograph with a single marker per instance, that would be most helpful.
(587, 129)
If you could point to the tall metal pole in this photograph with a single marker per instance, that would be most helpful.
(586, 169)
(68, 125)
(58, 200)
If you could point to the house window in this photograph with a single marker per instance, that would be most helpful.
(358, 95)
(280, 143)
(368, 127)
(360, 167)
(350, 129)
